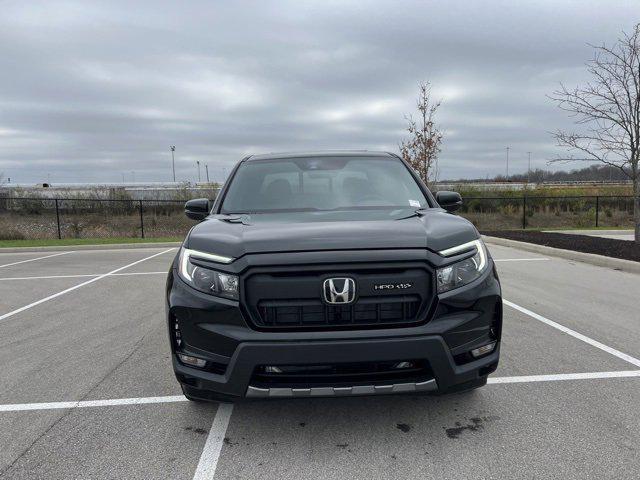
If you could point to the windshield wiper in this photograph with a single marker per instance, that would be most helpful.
(418, 212)
(234, 218)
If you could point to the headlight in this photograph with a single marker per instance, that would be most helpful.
(207, 280)
(465, 271)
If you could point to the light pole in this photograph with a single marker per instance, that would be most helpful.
(198, 163)
(173, 162)
(206, 167)
(529, 168)
(508, 163)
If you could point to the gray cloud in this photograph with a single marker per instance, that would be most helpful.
(90, 91)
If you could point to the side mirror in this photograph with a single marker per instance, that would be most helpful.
(197, 209)
(450, 201)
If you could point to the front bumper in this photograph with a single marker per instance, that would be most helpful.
(216, 330)
(236, 382)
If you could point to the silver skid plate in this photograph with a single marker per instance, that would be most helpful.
(427, 386)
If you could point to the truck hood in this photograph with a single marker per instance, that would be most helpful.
(235, 236)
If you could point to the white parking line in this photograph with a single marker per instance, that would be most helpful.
(565, 376)
(211, 452)
(34, 259)
(520, 259)
(47, 277)
(21, 407)
(574, 334)
(115, 402)
(95, 279)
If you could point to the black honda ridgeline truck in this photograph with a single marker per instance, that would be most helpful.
(331, 274)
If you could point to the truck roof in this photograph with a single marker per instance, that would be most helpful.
(320, 153)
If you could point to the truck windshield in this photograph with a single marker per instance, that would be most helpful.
(322, 184)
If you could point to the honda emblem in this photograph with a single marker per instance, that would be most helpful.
(339, 291)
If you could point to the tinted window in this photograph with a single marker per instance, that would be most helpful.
(322, 183)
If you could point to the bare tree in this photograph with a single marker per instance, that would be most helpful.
(423, 146)
(607, 109)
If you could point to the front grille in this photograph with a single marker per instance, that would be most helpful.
(293, 297)
(366, 311)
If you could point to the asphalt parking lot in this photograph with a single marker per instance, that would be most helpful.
(87, 391)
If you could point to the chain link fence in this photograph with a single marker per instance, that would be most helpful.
(545, 212)
(40, 218)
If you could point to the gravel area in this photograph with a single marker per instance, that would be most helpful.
(579, 243)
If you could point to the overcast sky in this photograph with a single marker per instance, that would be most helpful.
(91, 91)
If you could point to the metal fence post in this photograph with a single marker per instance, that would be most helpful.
(597, 209)
(58, 220)
(141, 221)
(524, 212)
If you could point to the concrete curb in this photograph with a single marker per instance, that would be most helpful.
(595, 233)
(110, 246)
(591, 258)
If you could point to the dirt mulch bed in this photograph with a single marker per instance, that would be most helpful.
(580, 243)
